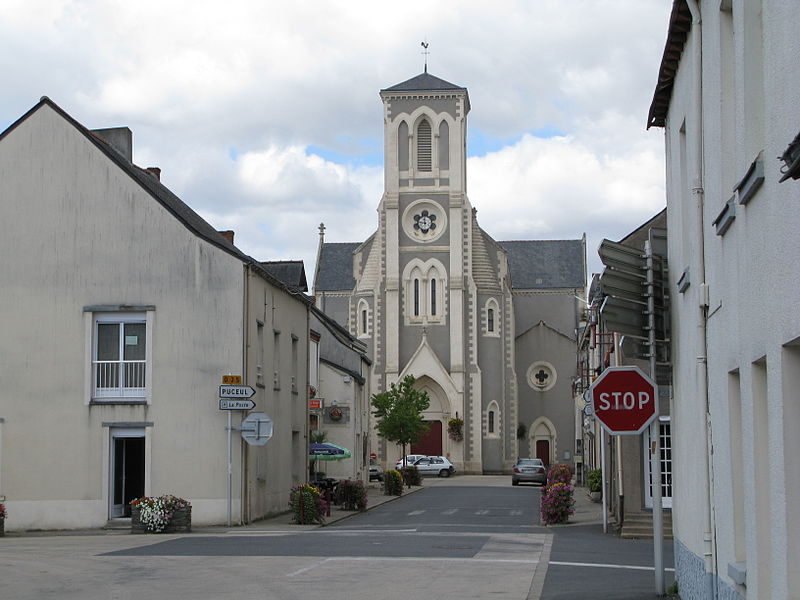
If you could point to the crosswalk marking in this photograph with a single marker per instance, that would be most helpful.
(414, 513)
(450, 511)
(481, 512)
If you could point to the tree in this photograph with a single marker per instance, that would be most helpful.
(398, 412)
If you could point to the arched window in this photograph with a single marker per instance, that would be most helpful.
(433, 297)
(493, 420)
(424, 145)
(424, 292)
(416, 297)
(402, 146)
(362, 320)
(491, 314)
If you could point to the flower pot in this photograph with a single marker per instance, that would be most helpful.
(596, 496)
(180, 522)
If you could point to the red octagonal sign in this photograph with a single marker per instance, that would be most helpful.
(624, 400)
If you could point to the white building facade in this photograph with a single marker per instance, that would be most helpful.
(727, 98)
(121, 310)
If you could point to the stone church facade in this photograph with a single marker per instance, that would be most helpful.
(486, 327)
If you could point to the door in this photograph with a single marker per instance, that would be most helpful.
(543, 451)
(127, 470)
(431, 443)
(665, 439)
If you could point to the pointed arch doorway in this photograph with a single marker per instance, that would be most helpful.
(433, 441)
(543, 440)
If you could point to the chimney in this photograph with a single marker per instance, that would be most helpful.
(119, 138)
(228, 235)
(155, 172)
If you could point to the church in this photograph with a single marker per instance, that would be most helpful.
(487, 327)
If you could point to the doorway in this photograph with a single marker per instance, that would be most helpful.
(665, 461)
(543, 451)
(127, 470)
(431, 443)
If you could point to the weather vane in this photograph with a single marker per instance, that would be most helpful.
(425, 53)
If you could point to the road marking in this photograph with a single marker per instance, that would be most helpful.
(414, 513)
(450, 511)
(481, 512)
(308, 568)
(603, 566)
(515, 513)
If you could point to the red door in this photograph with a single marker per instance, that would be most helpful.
(431, 442)
(543, 451)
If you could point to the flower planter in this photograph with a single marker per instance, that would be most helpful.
(2, 527)
(596, 496)
(179, 522)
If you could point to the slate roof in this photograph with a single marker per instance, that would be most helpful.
(174, 205)
(335, 268)
(680, 23)
(545, 264)
(290, 272)
(424, 81)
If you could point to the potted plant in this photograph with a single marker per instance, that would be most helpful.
(455, 429)
(161, 514)
(594, 481)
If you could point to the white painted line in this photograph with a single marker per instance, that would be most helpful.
(603, 566)
(432, 558)
(309, 567)
(450, 511)
(481, 512)
(413, 513)
(515, 513)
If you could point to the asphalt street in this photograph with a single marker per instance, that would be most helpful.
(465, 537)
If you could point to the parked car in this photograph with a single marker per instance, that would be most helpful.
(529, 469)
(410, 460)
(375, 470)
(435, 465)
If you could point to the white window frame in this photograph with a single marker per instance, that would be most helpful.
(493, 408)
(417, 304)
(493, 305)
(95, 367)
(364, 319)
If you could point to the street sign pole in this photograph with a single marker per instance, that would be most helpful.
(230, 469)
(603, 477)
(655, 433)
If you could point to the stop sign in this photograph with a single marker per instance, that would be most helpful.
(624, 400)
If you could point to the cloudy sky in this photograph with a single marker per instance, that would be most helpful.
(264, 116)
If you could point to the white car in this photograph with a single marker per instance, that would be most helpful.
(435, 465)
(410, 460)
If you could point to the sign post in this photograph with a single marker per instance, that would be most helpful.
(625, 401)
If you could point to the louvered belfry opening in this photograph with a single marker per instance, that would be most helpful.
(424, 146)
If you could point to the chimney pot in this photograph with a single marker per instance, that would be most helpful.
(228, 235)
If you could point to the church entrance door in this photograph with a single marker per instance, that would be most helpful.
(431, 443)
(543, 451)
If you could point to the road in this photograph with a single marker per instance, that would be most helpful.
(466, 537)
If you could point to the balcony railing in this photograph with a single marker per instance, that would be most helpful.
(119, 378)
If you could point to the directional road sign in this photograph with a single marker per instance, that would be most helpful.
(229, 404)
(624, 400)
(236, 391)
(257, 429)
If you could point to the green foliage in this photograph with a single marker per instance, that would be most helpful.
(594, 479)
(673, 589)
(306, 503)
(317, 436)
(521, 431)
(392, 483)
(455, 429)
(411, 475)
(351, 495)
(398, 412)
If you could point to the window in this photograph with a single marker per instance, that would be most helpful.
(119, 356)
(424, 292)
(491, 421)
(424, 146)
(362, 324)
(491, 311)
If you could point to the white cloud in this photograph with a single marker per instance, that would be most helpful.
(259, 113)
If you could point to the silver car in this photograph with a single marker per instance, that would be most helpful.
(435, 465)
(530, 470)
